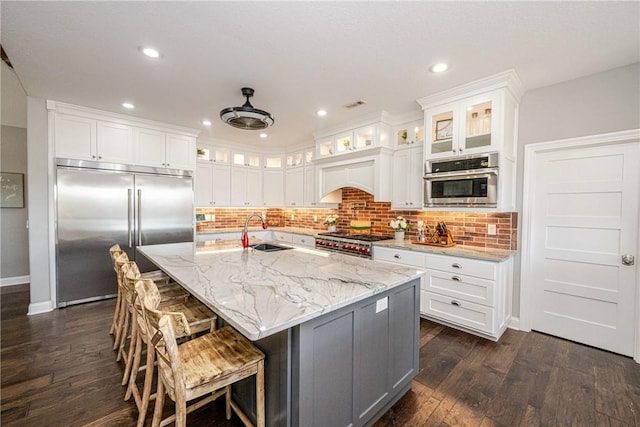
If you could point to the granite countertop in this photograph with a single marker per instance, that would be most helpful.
(262, 293)
(486, 254)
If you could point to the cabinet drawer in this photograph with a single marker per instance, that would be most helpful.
(303, 240)
(282, 236)
(462, 287)
(466, 266)
(410, 258)
(468, 314)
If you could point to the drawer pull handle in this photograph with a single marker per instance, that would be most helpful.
(456, 265)
(456, 303)
(396, 256)
(456, 278)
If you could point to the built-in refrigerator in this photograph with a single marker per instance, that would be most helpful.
(101, 204)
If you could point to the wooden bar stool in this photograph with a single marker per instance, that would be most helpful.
(168, 290)
(199, 317)
(114, 252)
(206, 365)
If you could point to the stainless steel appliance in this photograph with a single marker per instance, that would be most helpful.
(100, 204)
(351, 244)
(462, 181)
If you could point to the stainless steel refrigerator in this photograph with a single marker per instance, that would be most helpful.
(100, 204)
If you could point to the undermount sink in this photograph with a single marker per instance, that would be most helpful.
(268, 247)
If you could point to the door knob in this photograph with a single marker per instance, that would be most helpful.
(628, 259)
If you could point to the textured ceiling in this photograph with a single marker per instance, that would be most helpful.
(301, 56)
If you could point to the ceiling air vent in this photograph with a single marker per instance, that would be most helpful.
(355, 104)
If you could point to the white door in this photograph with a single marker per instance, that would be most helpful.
(584, 218)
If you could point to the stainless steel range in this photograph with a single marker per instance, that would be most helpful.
(351, 244)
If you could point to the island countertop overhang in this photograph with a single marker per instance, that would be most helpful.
(262, 293)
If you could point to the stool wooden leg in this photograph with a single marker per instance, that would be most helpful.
(227, 400)
(121, 314)
(116, 314)
(146, 391)
(133, 347)
(260, 395)
(157, 411)
(123, 333)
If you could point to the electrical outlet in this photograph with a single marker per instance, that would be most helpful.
(213, 218)
(315, 218)
(491, 229)
(293, 217)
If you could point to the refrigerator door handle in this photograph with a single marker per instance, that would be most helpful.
(130, 217)
(139, 217)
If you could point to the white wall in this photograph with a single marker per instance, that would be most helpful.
(599, 103)
(14, 238)
(40, 206)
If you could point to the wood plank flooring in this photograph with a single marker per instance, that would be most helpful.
(58, 369)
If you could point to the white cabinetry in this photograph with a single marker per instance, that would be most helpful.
(273, 187)
(409, 134)
(114, 143)
(468, 294)
(478, 117)
(86, 134)
(212, 185)
(246, 187)
(294, 187)
(164, 150)
(473, 295)
(75, 137)
(367, 134)
(407, 181)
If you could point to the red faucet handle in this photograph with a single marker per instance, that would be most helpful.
(264, 225)
(245, 240)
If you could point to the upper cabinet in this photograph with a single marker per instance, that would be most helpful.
(409, 134)
(367, 134)
(163, 150)
(478, 117)
(86, 134)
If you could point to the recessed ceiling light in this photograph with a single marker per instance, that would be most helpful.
(150, 52)
(438, 68)
(263, 135)
(321, 113)
(206, 122)
(128, 105)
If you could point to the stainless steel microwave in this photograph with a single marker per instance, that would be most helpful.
(462, 182)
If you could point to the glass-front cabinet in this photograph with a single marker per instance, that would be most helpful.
(410, 134)
(361, 138)
(461, 128)
(207, 153)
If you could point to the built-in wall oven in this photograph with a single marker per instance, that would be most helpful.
(462, 181)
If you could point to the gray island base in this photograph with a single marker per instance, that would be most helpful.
(340, 333)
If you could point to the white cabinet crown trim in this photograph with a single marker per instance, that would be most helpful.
(77, 110)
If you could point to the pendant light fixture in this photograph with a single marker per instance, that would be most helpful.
(247, 117)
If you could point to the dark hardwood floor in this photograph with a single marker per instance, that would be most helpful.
(58, 369)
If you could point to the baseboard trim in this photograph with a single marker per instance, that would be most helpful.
(40, 307)
(16, 280)
(514, 323)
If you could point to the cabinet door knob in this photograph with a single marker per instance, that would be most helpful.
(456, 303)
(396, 256)
(456, 265)
(456, 278)
(99, 157)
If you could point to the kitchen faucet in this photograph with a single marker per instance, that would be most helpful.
(245, 233)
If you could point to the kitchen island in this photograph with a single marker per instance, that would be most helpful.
(340, 333)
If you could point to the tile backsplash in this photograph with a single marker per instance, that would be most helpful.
(468, 228)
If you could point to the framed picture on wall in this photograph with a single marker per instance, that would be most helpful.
(11, 190)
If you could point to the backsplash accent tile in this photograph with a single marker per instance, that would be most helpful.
(467, 228)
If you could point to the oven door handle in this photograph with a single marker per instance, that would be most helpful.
(450, 176)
